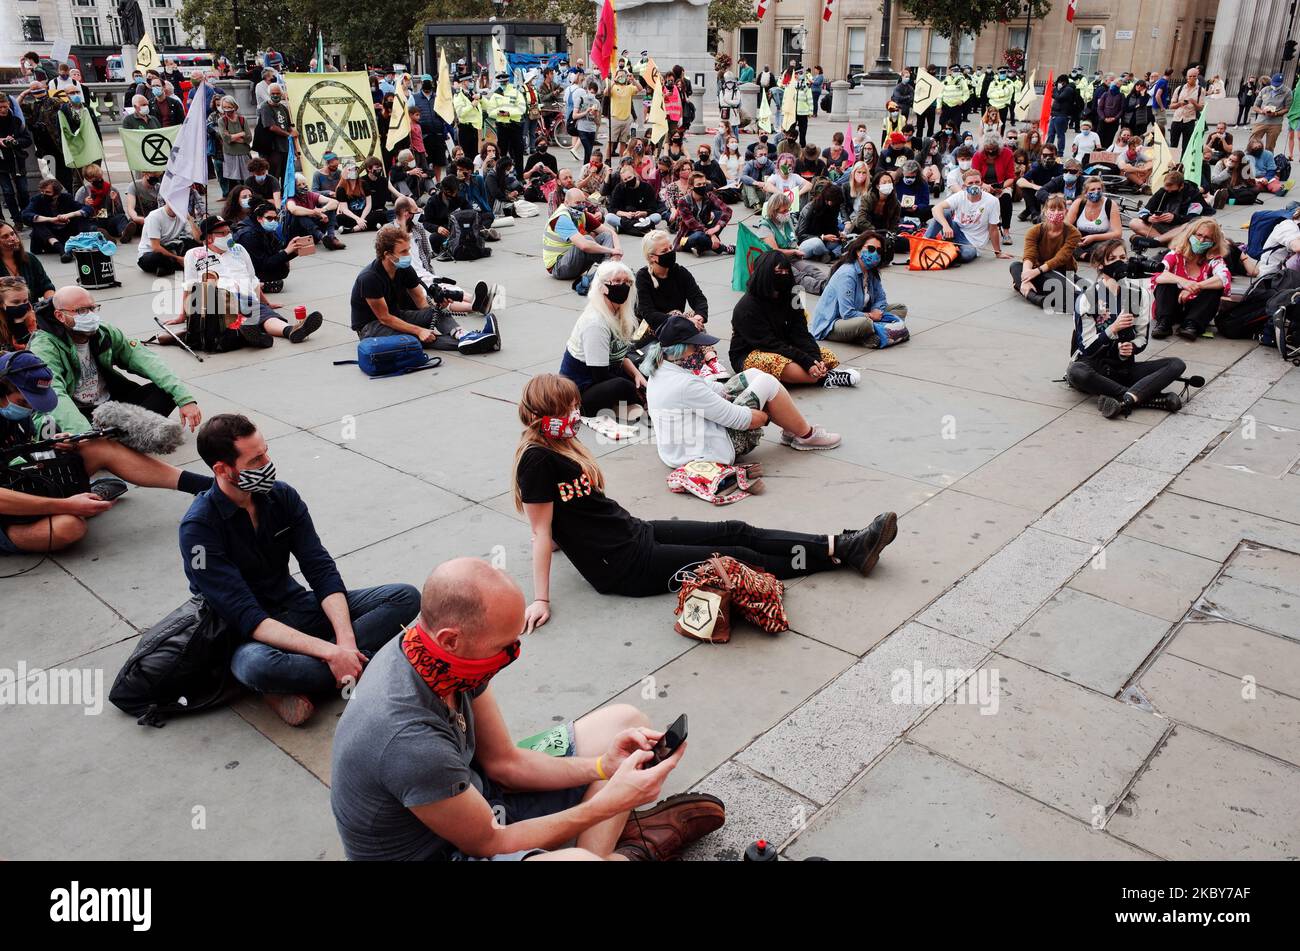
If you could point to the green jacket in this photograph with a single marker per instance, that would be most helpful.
(112, 349)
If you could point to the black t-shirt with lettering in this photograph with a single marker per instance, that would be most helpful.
(373, 282)
(604, 542)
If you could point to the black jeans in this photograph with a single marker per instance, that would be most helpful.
(1144, 380)
(802, 123)
(1196, 313)
(1180, 133)
(609, 395)
(925, 122)
(1056, 286)
(680, 544)
(1005, 201)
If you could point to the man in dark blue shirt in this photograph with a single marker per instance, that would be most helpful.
(235, 543)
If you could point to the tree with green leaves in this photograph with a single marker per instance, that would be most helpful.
(953, 19)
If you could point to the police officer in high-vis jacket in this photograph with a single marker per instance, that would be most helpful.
(506, 106)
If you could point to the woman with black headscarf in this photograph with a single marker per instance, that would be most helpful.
(769, 332)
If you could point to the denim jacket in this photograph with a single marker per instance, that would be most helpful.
(845, 298)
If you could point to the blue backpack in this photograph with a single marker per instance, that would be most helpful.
(1262, 224)
(391, 356)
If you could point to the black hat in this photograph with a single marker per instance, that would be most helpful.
(677, 330)
(212, 223)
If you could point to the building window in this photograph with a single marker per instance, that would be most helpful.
(1088, 57)
(1016, 39)
(84, 3)
(792, 41)
(87, 31)
(115, 30)
(857, 49)
(939, 50)
(912, 47)
(33, 31)
(164, 32)
(160, 3)
(748, 46)
(966, 49)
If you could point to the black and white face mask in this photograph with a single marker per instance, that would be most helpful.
(260, 480)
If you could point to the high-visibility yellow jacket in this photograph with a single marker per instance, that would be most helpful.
(507, 105)
(955, 90)
(553, 246)
(1001, 92)
(468, 111)
(1084, 85)
(803, 103)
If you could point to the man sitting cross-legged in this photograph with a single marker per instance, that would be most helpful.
(424, 766)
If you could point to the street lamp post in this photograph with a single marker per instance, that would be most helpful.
(239, 43)
(884, 68)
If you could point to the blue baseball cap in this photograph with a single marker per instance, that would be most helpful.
(31, 377)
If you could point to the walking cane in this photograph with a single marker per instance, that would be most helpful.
(171, 333)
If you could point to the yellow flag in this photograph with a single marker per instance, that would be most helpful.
(442, 103)
(764, 112)
(789, 106)
(399, 123)
(146, 55)
(1026, 98)
(1161, 157)
(928, 91)
(657, 119)
(333, 113)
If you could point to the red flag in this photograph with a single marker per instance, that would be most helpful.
(1069, 11)
(848, 142)
(604, 46)
(1045, 116)
(826, 11)
(762, 8)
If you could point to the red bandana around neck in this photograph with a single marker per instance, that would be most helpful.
(446, 673)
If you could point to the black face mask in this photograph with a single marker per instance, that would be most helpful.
(784, 282)
(618, 293)
(16, 313)
(1116, 270)
(667, 258)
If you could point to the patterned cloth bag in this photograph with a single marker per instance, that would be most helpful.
(716, 482)
(756, 594)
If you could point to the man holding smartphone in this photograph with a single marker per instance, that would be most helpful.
(424, 767)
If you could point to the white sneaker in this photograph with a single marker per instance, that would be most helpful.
(817, 439)
(843, 376)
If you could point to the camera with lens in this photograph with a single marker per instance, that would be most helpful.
(1139, 266)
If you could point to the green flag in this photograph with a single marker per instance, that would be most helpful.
(320, 52)
(147, 150)
(1293, 114)
(80, 148)
(1194, 152)
(748, 250)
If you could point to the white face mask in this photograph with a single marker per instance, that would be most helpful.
(886, 188)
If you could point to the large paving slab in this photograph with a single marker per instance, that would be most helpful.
(106, 788)
(1146, 577)
(1206, 529)
(757, 808)
(820, 747)
(1267, 567)
(1057, 742)
(1203, 798)
(1086, 640)
(1239, 651)
(1232, 599)
(51, 618)
(1003, 592)
(1222, 704)
(914, 804)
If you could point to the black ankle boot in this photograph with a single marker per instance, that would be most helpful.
(1161, 330)
(1171, 402)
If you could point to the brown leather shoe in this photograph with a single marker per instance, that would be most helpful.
(662, 832)
(293, 708)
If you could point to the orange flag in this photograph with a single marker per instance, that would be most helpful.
(604, 47)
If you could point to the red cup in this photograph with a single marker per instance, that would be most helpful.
(300, 313)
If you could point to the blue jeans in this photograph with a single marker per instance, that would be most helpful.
(303, 224)
(967, 251)
(817, 248)
(1056, 127)
(698, 240)
(378, 615)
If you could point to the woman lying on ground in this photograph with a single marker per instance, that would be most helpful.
(562, 491)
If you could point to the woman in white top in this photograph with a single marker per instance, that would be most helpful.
(785, 180)
(699, 420)
(1095, 216)
(596, 355)
(227, 264)
(732, 161)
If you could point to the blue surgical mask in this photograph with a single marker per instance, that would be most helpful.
(870, 258)
(15, 413)
(404, 261)
(245, 202)
(1070, 178)
(259, 178)
(270, 225)
(75, 99)
(157, 91)
(1200, 245)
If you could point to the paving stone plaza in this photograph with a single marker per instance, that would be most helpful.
(1085, 642)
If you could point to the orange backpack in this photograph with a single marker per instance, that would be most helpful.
(930, 254)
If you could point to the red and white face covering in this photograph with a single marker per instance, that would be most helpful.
(446, 673)
(560, 427)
